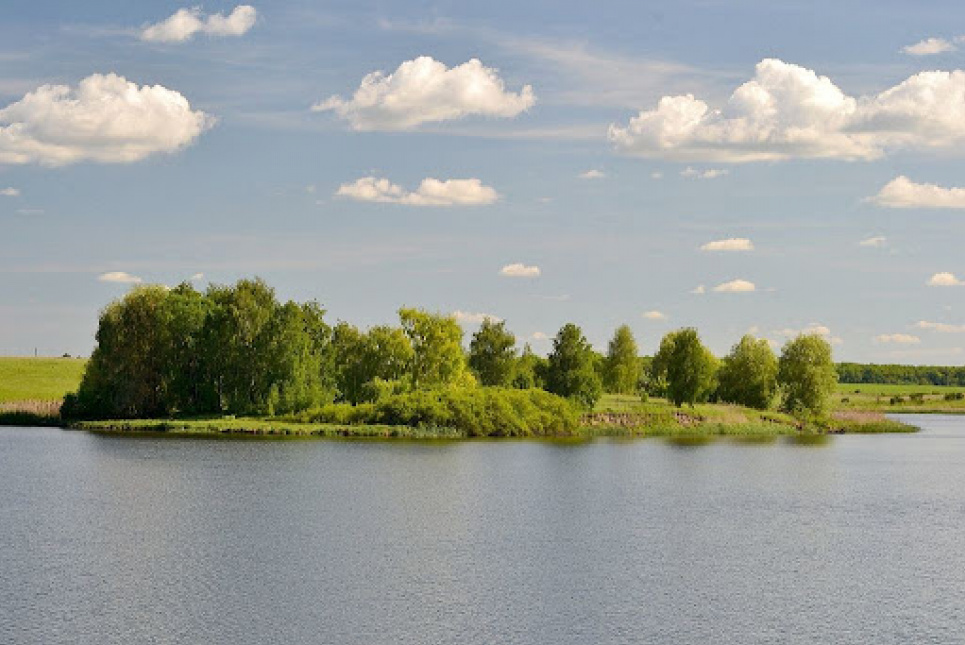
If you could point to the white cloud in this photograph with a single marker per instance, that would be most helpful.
(730, 244)
(538, 335)
(592, 174)
(424, 90)
(944, 279)
(471, 318)
(877, 241)
(655, 315)
(431, 192)
(787, 111)
(709, 173)
(519, 270)
(944, 328)
(10, 192)
(197, 277)
(898, 339)
(656, 175)
(929, 47)
(812, 329)
(735, 286)
(105, 119)
(902, 192)
(699, 290)
(185, 23)
(119, 277)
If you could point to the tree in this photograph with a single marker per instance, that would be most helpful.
(570, 371)
(748, 375)
(438, 359)
(690, 368)
(621, 367)
(807, 375)
(530, 370)
(382, 353)
(492, 353)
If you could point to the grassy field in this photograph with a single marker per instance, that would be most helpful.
(921, 399)
(39, 379)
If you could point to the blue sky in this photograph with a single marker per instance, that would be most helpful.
(605, 175)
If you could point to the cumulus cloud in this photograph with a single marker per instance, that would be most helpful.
(729, 244)
(902, 192)
(185, 23)
(709, 173)
(699, 290)
(197, 277)
(655, 315)
(944, 279)
(106, 119)
(929, 47)
(520, 270)
(944, 328)
(876, 241)
(121, 277)
(787, 111)
(592, 174)
(471, 318)
(10, 192)
(431, 192)
(813, 329)
(424, 90)
(538, 335)
(735, 286)
(898, 339)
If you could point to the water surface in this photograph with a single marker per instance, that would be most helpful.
(120, 540)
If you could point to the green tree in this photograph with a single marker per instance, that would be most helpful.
(492, 353)
(807, 375)
(530, 370)
(622, 365)
(383, 353)
(438, 358)
(690, 369)
(570, 370)
(748, 375)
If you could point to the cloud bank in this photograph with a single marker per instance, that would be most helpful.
(185, 23)
(787, 111)
(424, 90)
(431, 192)
(106, 119)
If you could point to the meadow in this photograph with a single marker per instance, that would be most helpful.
(39, 379)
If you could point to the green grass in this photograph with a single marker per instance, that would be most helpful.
(883, 389)
(39, 379)
(913, 399)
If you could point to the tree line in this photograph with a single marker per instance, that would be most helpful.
(236, 349)
(901, 374)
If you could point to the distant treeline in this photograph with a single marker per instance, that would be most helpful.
(235, 349)
(901, 374)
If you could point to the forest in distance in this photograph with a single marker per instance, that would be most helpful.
(237, 350)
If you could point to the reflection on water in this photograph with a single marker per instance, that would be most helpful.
(114, 540)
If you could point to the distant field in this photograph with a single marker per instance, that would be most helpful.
(894, 390)
(39, 379)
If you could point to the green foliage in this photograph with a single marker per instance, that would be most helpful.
(621, 367)
(807, 375)
(529, 370)
(571, 368)
(479, 411)
(492, 354)
(690, 367)
(748, 375)
(233, 349)
(383, 353)
(901, 374)
(436, 340)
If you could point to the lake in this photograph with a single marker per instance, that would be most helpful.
(847, 539)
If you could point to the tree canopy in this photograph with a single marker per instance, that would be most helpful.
(748, 375)
(622, 364)
(492, 353)
(807, 375)
(571, 368)
(690, 367)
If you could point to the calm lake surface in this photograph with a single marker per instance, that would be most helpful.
(853, 539)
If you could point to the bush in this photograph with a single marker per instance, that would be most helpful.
(955, 396)
(477, 412)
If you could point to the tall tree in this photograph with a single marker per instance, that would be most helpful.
(690, 369)
(748, 375)
(438, 358)
(807, 375)
(622, 365)
(570, 371)
(492, 353)
(530, 370)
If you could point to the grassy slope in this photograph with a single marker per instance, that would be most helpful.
(878, 398)
(39, 379)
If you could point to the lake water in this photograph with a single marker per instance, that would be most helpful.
(853, 539)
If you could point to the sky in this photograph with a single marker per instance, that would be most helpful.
(741, 166)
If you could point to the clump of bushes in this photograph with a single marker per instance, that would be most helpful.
(955, 396)
(476, 412)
